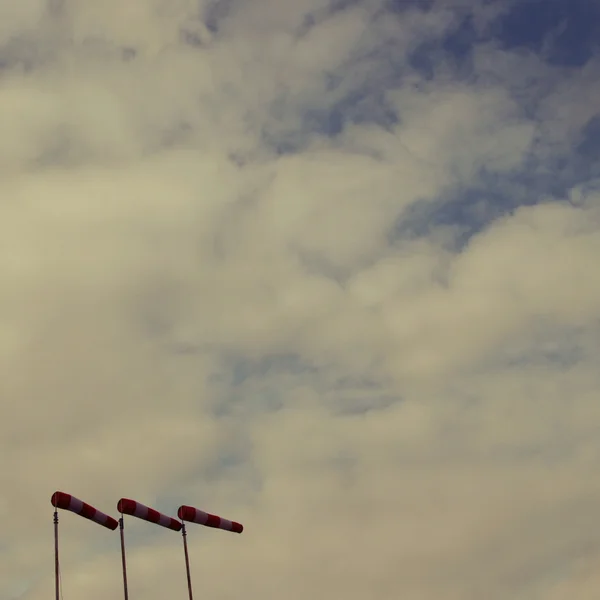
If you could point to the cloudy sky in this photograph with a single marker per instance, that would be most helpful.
(328, 268)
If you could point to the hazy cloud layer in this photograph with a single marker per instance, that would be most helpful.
(326, 268)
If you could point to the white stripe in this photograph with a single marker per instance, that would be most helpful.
(100, 517)
(164, 520)
(75, 505)
(225, 524)
(141, 511)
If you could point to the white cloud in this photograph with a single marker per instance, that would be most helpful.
(387, 415)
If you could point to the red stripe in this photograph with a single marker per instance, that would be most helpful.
(87, 511)
(236, 527)
(213, 521)
(153, 516)
(186, 513)
(126, 506)
(61, 500)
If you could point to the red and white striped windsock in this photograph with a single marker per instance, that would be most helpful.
(136, 509)
(68, 502)
(194, 515)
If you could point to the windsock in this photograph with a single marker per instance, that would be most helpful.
(68, 502)
(136, 509)
(195, 515)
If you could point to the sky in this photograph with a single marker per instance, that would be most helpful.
(326, 268)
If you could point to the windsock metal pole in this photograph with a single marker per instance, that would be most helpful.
(187, 560)
(121, 527)
(83, 509)
(189, 513)
(126, 506)
(56, 565)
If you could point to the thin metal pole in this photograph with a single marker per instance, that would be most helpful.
(56, 565)
(187, 560)
(123, 558)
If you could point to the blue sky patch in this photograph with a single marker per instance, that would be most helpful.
(565, 32)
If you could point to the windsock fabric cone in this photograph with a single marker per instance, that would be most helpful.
(68, 502)
(136, 509)
(194, 515)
